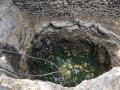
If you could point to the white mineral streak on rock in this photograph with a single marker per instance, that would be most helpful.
(4, 63)
(118, 53)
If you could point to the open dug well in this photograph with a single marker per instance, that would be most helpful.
(66, 53)
(72, 52)
(59, 44)
(72, 63)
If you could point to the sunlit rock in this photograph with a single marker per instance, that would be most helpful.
(19, 29)
(108, 81)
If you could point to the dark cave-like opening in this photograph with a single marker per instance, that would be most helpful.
(72, 62)
(75, 61)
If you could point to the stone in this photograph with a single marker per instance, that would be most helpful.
(3, 88)
(94, 35)
(108, 81)
(18, 28)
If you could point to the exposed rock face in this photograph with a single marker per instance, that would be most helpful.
(107, 81)
(19, 30)
(8, 59)
(4, 88)
(8, 21)
(75, 8)
(104, 43)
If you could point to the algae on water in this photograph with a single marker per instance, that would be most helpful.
(74, 66)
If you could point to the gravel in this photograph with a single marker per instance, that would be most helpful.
(101, 8)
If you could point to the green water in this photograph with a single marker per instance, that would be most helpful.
(74, 66)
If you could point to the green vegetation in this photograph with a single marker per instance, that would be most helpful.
(74, 66)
